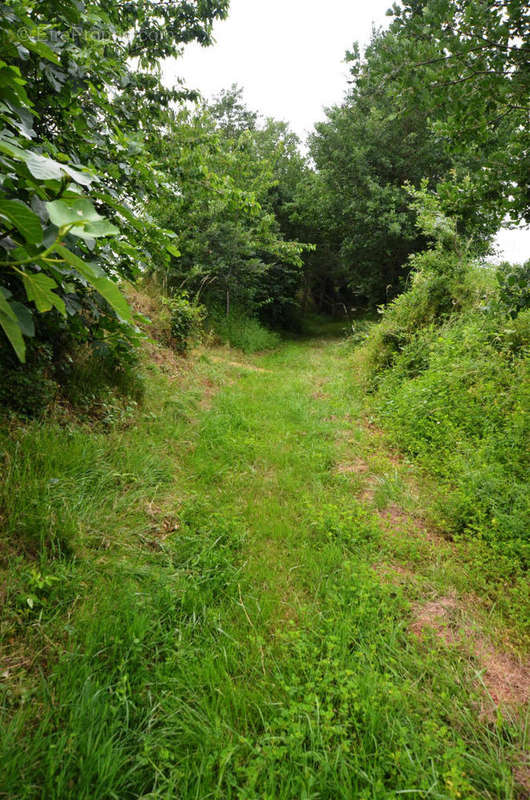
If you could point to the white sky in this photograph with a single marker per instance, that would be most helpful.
(288, 55)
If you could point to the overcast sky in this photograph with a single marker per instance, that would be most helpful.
(288, 55)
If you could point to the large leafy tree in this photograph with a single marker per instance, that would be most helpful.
(220, 201)
(80, 89)
(364, 153)
(441, 95)
(466, 63)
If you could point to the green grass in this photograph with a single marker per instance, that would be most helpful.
(242, 331)
(205, 619)
(456, 399)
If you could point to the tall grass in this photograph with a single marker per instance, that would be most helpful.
(215, 628)
(240, 330)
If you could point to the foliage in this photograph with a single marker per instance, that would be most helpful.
(28, 391)
(466, 64)
(240, 330)
(449, 362)
(228, 246)
(440, 96)
(74, 115)
(444, 280)
(185, 320)
(514, 287)
(455, 399)
(76, 361)
(364, 153)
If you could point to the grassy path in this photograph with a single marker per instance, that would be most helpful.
(282, 626)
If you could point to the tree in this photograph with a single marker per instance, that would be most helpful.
(75, 115)
(221, 166)
(466, 64)
(364, 153)
(441, 95)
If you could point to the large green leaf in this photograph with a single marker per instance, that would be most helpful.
(25, 318)
(95, 230)
(23, 218)
(89, 272)
(83, 178)
(103, 285)
(11, 327)
(12, 150)
(72, 211)
(39, 288)
(42, 167)
(111, 292)
(42, 50)
(81, 214)
(46, 169)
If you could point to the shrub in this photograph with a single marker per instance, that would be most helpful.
(449, 368)
(73, 363)
(92, 373)
(29, 388)
(452, 393)
(444, 281)
(515, 336)
(514, 287)
(462, 415)
(185, 321)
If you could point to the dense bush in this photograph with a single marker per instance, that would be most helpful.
(80, 365)
(448, 364)
(28, 388)
(514, 287)
(81, 101)
(460, 410)
(185, 321)
(441, 285)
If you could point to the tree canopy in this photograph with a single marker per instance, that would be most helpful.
(108, 174)
(81, 95)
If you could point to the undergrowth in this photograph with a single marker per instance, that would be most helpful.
(448, 371)
(192, 611)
